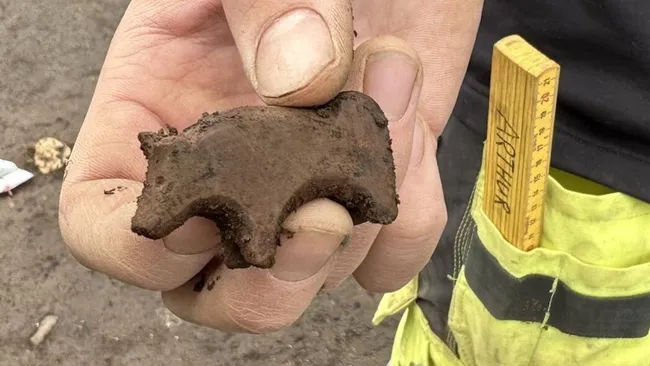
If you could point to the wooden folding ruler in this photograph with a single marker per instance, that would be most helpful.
(523, 96)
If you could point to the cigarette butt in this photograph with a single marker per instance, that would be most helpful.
(45, 326)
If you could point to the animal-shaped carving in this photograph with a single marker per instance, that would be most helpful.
(248, 168)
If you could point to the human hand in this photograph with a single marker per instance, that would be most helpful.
(172, 60)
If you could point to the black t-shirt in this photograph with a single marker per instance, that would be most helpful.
(603, 47)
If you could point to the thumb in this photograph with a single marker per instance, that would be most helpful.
(295, 53)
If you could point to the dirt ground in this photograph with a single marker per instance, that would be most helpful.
(50, 54)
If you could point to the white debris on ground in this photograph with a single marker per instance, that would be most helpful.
(11, 176)
(50, 155)
(45, 326)
(170, 320)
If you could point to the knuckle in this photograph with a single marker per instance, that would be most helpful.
(390, 280)
(260, 319)
(379, 285)
(384, 287)
(423, 225)
(407, 248)
(258, 305)
(121, 262)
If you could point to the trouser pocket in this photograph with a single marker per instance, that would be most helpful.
(562, 303)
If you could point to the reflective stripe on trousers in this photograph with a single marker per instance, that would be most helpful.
(583, 298)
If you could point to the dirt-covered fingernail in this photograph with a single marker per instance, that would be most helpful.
(389, 78)
(292, 51)
(311, 237)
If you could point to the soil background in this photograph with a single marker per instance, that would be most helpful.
(51, 52)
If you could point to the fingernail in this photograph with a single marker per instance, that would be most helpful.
(389, 79)
(198, 235)
(292, 51)
(313, 234)
(304, 254)
(417, 149)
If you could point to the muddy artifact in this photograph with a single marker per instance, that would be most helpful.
(248, 168)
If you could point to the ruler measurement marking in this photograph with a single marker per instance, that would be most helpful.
(523, 94)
